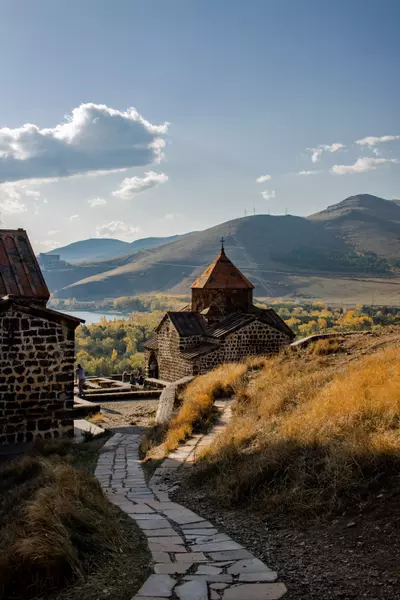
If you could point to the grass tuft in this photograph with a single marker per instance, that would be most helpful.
(196, 412)
(324, 347)
(56, 525)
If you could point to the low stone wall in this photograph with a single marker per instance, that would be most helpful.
(168, 398)
(310, 339)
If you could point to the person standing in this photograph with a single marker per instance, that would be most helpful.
(80, 379)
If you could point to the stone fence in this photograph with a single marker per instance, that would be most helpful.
(310, 339)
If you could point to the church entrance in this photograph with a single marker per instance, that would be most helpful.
(153, 367)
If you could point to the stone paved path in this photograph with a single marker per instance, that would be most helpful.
(192, 560)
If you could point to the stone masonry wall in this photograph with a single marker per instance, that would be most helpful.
(170, 365)
(257, 338)
(228, 300)
(36, 377)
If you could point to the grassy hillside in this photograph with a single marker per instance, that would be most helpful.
(106, 248)
(359, 237)
(366, 223)
(91, 249)
(312, 431)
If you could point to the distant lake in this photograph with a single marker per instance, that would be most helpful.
(93, 317)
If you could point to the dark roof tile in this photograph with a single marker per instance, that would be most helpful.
(230, 324)
(37, 310)
(195, 351)
(186, 323)
(151, 343)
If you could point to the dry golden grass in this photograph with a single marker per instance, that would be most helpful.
(307, 438)
(198, 400)
(96, 418)
(325, 346)
(55, 525)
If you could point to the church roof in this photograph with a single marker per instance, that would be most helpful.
(195, 351)
(222, 274)
(186, 323)
(20, 274)
(37, 310)
(270, 317)
(230, 324)
(236, 321)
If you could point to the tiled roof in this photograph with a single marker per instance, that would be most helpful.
(186, 323)
(230, 324)
(222, 274)
(39, 311)
(151, 343)
(270, 317)
(198, 350)
(20, 274)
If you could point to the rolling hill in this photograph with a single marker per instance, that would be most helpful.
(358, 238)
(105, 248)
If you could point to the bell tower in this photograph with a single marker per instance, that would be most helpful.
(221, 289)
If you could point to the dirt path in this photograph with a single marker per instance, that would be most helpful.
(133, 412)
(353, 557)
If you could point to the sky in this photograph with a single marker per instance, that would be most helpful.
(138, 118)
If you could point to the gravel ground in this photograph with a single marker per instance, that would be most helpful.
(354, 556)
(133, 412)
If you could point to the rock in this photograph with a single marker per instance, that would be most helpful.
(255, 591)
(192, 590)
(157, 586)
(252, 565)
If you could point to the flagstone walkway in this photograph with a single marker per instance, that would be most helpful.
(192, 560)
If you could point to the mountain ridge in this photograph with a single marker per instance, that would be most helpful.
(103, 248)
(359, 236)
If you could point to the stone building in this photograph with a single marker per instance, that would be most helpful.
(37, 349)
(221, 325)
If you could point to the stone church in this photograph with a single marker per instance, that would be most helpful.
(221, 325)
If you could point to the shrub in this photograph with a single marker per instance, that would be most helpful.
(325, 346)
(55, 525)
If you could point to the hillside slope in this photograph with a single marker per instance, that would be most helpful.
(365, 222)
(106, 248)
(359, 236)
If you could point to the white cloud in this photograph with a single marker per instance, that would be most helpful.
(93, 138)
(116, 228)
(263, 178)
(32, 193)
(53, 232)
(48, 244)
(11, 195)
(173, 216)
(11, 205)
(97, 202)
(362, 165)
(268, 195)
(74, 218)
(317, 152)
(131, 186)
(308, 172)
(372, 141)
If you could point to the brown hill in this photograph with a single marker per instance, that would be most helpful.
(359, 236)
